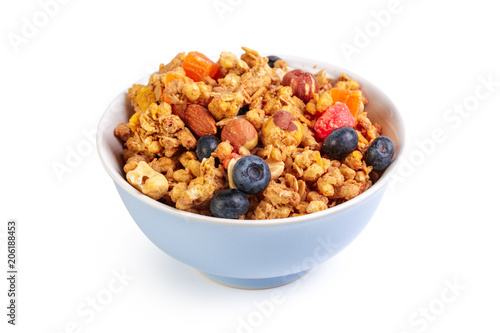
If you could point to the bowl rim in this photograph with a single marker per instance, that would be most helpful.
(120, 181)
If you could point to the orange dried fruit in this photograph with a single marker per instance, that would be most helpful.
(171, 76)
(197, 66)
(352, 98)
(134, 122)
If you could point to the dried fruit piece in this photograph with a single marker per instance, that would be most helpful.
(353, 99)
(197, 66)
(134, 122)
(336, 116)
(227, 160)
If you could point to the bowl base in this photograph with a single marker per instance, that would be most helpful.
(263, 283)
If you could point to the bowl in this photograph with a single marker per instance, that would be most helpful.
(252, 254)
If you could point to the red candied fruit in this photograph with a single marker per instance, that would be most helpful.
(228, 159)
(336, 116)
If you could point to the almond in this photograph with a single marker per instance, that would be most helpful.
(179, 111)
(199, 120)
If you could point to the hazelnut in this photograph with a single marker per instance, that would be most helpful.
(304, 85)
(282, 127)
(241, 134)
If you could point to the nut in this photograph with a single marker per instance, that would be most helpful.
(276, 167)
(230, 167)
(148, 181)
(241, 134)
(199, 120)
(304, 85)
(179, 111)
(282, 127)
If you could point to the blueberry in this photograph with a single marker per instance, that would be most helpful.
(251, 174)
(379, 154)
(340, 142)
(229, 204)
(206, 146)
(272, 60)
(243, 110)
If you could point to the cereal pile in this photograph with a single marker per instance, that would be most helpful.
(248, 137)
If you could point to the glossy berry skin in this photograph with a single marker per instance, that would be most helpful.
(340, 143)
(243, 110)
(206, 146)
(229, 204)
(379, 154)
(336, 116)
(272, 60)
(251, 174)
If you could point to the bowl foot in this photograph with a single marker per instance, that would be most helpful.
(262, 283)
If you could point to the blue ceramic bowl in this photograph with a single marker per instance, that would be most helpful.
(249, 253)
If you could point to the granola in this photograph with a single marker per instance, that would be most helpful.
(160, 148)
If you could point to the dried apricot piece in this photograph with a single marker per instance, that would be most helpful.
(353, 99)
(171, 76)
(134, 122)
(197, 66)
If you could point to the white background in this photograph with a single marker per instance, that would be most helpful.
(436, 227)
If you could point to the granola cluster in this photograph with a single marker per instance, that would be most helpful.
(159, 147)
